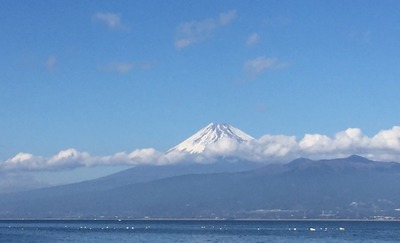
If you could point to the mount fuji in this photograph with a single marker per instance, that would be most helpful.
(352, 187)
(210, 134)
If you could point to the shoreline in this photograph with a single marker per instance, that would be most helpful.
(197, 220)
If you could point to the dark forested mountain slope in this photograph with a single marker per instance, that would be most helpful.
(351, 187)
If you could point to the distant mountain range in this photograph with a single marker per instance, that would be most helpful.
(352, 187)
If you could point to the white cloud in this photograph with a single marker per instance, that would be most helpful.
(315, 142)
(72, 158)
(23, 161)
(387, 139)
(192, 32)
(224, 146)
(65, 159)
(111, 20)
(256, 66)
(69, 158)
(253, 39)
(275, 146)
(385, 146)
(143, 155)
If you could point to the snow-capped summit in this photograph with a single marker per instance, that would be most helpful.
(210, 134)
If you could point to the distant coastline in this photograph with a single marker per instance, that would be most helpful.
(200, 220)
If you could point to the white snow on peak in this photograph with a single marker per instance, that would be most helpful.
(210, 134)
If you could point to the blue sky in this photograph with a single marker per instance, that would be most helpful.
(110, 76)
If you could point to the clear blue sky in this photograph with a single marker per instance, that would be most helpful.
(109, 76)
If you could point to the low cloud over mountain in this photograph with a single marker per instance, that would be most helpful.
(228, 142)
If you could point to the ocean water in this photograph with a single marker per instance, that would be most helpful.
(197, 231)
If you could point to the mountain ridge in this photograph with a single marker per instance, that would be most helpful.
(293, 189)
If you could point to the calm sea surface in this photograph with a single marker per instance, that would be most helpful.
(198, 231)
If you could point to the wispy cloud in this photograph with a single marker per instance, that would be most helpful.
(111, 20)
(385, 146)
(277, 21)
(121, 67)
(364, 37)
(51, 63)
(126, 67)
(253, 39)
(18, 181)
(227, 17)
(192, 32)
(256, 66)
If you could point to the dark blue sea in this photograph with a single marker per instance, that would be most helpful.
(197, 231)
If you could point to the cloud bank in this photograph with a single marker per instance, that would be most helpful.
(384, 146)
(192, 32)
